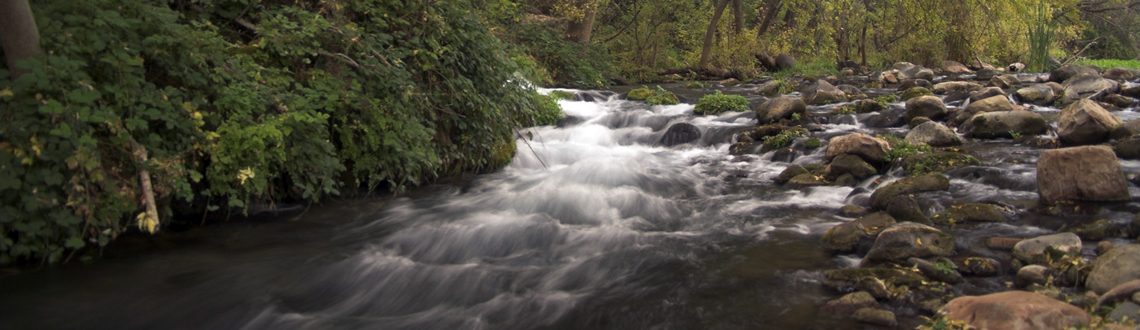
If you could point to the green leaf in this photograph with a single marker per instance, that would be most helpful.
(75, 243)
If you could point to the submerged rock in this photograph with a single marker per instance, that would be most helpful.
(1088, 173)
(1085, 122)
(971, 212)
(680, 133)
(1015, 310)
(927, 182)
(905, 240)
(876, 316)
(977, 266)
(1119, 265)
(1036, 250)
(937, 162)
(848, 236)
(849, 303)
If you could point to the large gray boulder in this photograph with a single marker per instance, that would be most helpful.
(925, 106)
(934, 134)
(993, 125)
(1085, 122)
(873, 150)
(1119, 74)
(955, 87)
(1034, 250)
(906, 240)
(1119, 265)
(1039, 94)
(915, 72)
(1015, 310)
(780, 108)
(1063, 73)
(1088, 173)
(991, 104)
(823, 92)
(1089, 86)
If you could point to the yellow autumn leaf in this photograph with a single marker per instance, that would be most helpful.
(7, 91)
(918, 240)
(148, 222)
(244, 174)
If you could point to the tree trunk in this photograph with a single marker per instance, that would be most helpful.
(738, 15)
(18, 33)
(580, 31)
(706, 49)
(773, 7)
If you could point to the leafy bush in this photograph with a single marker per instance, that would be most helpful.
(904, 148)
(568, 63)
(547, 111)
(1109, 64)
(719, 103)
(562, 95)
(310, 102)
(784, 138)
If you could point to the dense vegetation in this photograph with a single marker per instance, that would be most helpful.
(239, 102)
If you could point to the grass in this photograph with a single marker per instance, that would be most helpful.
(1109, 64)
(814, 67)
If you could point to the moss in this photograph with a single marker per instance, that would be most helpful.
(562, 95)
(663, 97)
(719, 103)
(813, 143)
(890, 276)
(501, 156)
(938, 162)
(640, 94)
(914, 92)
(784, 138)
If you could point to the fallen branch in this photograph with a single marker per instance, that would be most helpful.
(148, 221)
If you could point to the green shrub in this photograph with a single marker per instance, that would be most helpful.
(904, 148)
(640, 94)
(1109, 64)
(719, 103)
(547, 111)
(313, 102)
(784, 138)
(662, 97)
(562, 95)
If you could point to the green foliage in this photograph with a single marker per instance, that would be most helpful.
(784, 138)
(719, 103)
(1109, 63)
(640, 94)
(566, 63)
(914, 92)
(818, 66)
(1042, 35)
(813, 143)
(662, 97)
(695, 85)
(903, 148)
(547, 111)
(395, 92)
(1014, 134)
(562, 95)
(940, 322)
(844, 110)
(945, 266)
(885, 99)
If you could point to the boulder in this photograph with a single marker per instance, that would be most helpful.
(807, 180)
(986, 74)
(1127, 310)
(986, 93)
(916, 72)
(942, 273)
(823, 92)
(1085, 122)
(1015, 310)
(1096, 231)
(934, 134)
(1133, 92)
(770, 88)
(849, 303)
(1118, 266)
(1015, 67)
(876, 316)
(1128, 148)
(991, 104)
(937, 162)
(1122, 292)
(970, 212)
(891, 117)
(1088, 173)
(1126, 130)
(1003, 81)
(955, 87)
(913, 92)
(1088, 86)
(1119, 74)
(905, 208)
(993, 125)
(680, 133)
(1032, 274)
(925, 106)
(1063, 73)
(868, 105)
(852, 210)
(849, 164)
(906, 240)
(778, 108)
(785, 61)
(926, 182)
(873, 150)
(790, 172)
(955, 67)
(1035, 250)
(1039, 94)
(1120, 101)
(977, 266)
(849, 236)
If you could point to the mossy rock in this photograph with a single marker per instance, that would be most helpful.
(972, 212)
(502, 156)
(563, 95)
(790, 172)
(807, 180)
(850, 277)
(1097, 230)
(847, 236)
(937, 162)
(926, 182)
(850, 164)
(663, 98)
(640, 94)
(914, 92)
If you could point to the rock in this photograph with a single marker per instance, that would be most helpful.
(875, 316)
(807, 180)
(771, 87)
(1119, 74)
(1124, 311)
(1120, 101)
(971, 212)
(823, 92)
(986, 93)
(1016, 67)
(1128, 148)
(891, 117)
(1038, 94)
(1032, 274)
(1133, 92)
(1002, 243)
(849, 164)
(934, 134)
(766, 61)
(1085, 122)
(925, 182)
(780, 108)
(1096, 231)
(1089, 173)
(955, 67)
(944, 272)
(993, 125)
(1003, 81)
(680, 133)
(937, 162)
(847, 278)
(916, 72)
(850, 90)
(790, 172)
(925, 106)
(1126, 130)
(1122, 292)
(986, 74)
(977, 266)
(914, 92)
(729, 82)
(905, 208)
(1034, 250)
(905, 240)
(785, 61)
(868, 105)
(1088, 86)
(991, 104)
(873, 150)
(852, 210)
(1015, 310)
(849, 303)
(914, 122)
(1102, 247)
(1058, 89)
(956, 87)
(1118, 266)
(1063, 73)
(848, 236)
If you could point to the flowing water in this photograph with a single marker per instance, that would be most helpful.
(594, 225)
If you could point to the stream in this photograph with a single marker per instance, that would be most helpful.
(594, 225)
